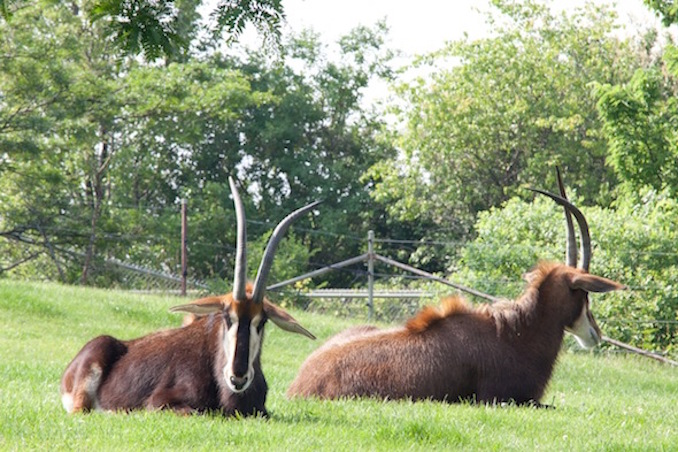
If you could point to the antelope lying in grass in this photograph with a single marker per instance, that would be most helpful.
(492, 353)
(212, 364)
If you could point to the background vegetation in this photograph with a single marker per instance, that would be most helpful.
(603, 402)
(112, 112)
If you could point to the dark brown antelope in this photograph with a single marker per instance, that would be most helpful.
(212, 364)
(493, 353)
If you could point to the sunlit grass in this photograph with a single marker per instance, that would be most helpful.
(602, 402)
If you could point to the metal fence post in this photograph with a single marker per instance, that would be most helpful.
(184, 261)
(370, 275)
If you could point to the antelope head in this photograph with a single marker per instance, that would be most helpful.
(580, 282)
(244, 312)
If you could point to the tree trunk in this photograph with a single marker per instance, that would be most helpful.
(96, 192)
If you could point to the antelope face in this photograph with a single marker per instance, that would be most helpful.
(584, 328)
(242, 343)
(243, 311)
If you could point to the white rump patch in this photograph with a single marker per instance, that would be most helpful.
(89, 385)
(67, 402)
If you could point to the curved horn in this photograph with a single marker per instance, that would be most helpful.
(571, 255)
(585, 237)
(240, 268)
(267, 259)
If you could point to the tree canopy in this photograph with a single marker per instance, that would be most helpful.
(499, 113)
(98, 151)
(164, 28)
(640, 116)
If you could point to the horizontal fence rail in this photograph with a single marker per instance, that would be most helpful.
(362, 293)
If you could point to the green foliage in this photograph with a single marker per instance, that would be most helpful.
(610, 402)
(640, 124)
(291, 259)
(495, 114)
(641, 254)
(313, 140)
(510, 240)
(667, 9)
(56, 110)
(140, 27)
(163, 28)
(99, 150)
(233, 15)
(639, 119)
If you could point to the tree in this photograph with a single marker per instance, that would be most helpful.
(668, 10)
(174, 116)
(310, 140)
(165, 27)
(640, 116)
(640, 123)
(58, 94)
(80, 123)
(499, 113)
(105, 155)
(317, 140)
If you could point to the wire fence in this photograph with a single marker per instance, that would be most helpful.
(129, 276)
(156, 279)
(134, 276)
(388, 245)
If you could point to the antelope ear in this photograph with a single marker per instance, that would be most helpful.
(202, 306)
(593, 283)
(285, 321)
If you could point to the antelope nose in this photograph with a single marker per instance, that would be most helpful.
(238, 382)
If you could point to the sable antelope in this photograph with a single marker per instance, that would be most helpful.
(212, 364)
(491, 353)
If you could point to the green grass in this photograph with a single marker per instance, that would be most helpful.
(603, 402)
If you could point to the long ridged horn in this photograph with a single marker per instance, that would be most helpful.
(571, 255)
(240, 268)
(267, 259)
(585, 237)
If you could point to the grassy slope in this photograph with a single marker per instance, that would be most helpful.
(603, 402)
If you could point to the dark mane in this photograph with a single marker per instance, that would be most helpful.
(431, 315)
(507, 315)
(510, 315)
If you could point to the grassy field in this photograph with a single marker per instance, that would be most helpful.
(602, 402)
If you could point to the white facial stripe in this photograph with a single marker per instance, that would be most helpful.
(229, 350)
(255, 345)
(584, 331)
(256, 321)
(255, 339)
